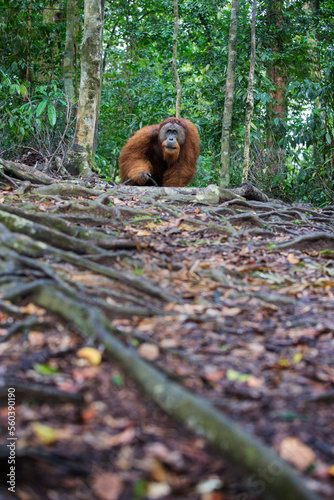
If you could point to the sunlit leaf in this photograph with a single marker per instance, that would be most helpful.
(45, 433)
(92, 355)
(45, 369)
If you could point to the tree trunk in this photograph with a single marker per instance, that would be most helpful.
(250, 96)
(228, 106)
(313, 7)
(69, 50)
(276, 109)
(80, 159)
(174, 63)
(29, 46)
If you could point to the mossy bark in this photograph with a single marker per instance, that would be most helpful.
(80, 159)
(250, 97)
(69, 50)
(229, 91)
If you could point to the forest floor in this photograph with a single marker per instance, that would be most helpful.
(233, 301)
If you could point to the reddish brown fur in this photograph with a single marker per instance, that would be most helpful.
(144, 154)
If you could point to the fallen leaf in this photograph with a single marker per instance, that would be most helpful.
(148, 351)
(32, 309)
(235, 376)
(230, 311)
(159, 450)
(283, 363)
(157, 490)
(297, 357)
(36, 338)
(331, 470)
(142, 232)
(296, 333)
(46, 434)
(169, 343)
(116, 201)
(88, 414)
(45, 369)
(214, 375)
(116, 423)
(92, 355)
(292, 259)
(107, 486)
(124, 437)
(254, 381)
(297, 453)
(209, 485)
(104, 441)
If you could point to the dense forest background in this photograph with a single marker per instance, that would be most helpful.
(292, 134)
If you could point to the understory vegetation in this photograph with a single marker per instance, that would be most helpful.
(291, 149)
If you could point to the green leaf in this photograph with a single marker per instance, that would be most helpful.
(14, 87)
(224, 347)
(237, 376)
(140, 489)
(52, 114)
(45, 369)
(41, 107)
(118, 380)
(23, 90)
(138, 271)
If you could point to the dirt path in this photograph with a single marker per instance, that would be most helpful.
(231, 300)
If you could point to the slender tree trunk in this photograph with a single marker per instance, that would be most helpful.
(174, 63)
(313, 6)
(250, 96)
(76, 70)
(69, 50)
(80, 159)
(228, 106)
(29, 45)
(276, 73)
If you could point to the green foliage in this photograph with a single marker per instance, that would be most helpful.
(207, 171)
(31, 114)
(291, 158)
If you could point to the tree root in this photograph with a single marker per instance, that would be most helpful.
(38, 392)
(317, 241)
(193, 411)
(25, 173)
(27, 246)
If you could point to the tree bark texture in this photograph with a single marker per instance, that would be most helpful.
(69, 50)
(29, 45)
(80, 159)
(228, 106)
(250, 96)
(276, 73)
(174, 63)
